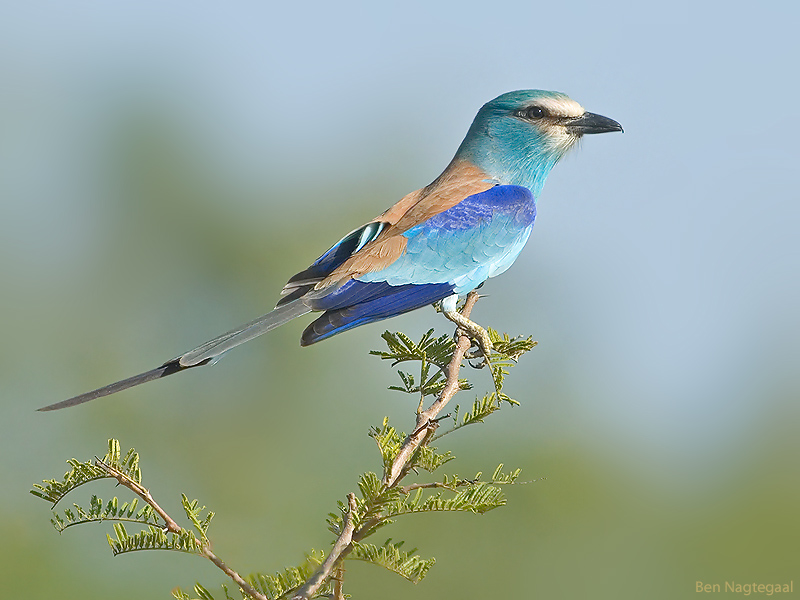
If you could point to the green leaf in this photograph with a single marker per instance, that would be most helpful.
(291, 578)
(499, 477)
(389, 441)
(510, 348)
(427, 458)
(193, 510)
(81, 473)
(401, 348)
(481, 408)
(111, 511)
(430, 351)
(152, 538)
(391, 557)
(505, 354)
(202, 593)
(477, 497)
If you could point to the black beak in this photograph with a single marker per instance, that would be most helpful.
(592, 123)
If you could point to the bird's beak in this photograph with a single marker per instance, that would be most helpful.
(592, 123)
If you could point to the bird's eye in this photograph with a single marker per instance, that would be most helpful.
(534, 112)
(531, 113)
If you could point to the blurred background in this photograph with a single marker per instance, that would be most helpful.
(166, 166)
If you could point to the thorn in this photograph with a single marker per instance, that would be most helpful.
(432, 424)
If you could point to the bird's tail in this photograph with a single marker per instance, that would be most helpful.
(162, 371)
(202, 355)
(207, 352)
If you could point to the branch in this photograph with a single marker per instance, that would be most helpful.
(426, 420)
(140, 491)
(172, 526)
(435, 484)
(423, 431)
(425, 426)
(339, 547)
(338, 594)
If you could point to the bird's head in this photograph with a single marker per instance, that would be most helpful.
(519, 136)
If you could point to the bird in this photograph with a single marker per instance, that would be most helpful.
(434, 245)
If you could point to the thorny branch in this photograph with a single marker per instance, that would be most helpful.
(424, 429)
(172, 526)
(435, 484)
(341, 544)
(426, 420)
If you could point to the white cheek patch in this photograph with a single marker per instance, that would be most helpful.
(557, 137)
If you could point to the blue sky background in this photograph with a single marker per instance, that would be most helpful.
(166, 166)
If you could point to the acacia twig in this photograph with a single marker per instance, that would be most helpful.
(338, 580)
(337, 553)
(426, 423)
(436, 484)
(172, 526)
(426, 419)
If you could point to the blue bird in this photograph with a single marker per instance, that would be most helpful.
(434, 245)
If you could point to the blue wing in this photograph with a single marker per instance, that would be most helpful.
(478, 238)
(326, 264)
(451, 253)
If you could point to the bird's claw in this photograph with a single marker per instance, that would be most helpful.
(476, 354)
(483, 348)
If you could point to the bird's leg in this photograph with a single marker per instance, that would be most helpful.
(471, 328)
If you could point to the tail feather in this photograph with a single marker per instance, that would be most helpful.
(202, 355)
(244, 333)
(162, 371)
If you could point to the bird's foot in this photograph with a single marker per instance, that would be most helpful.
(477, 333)
(476, 355)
